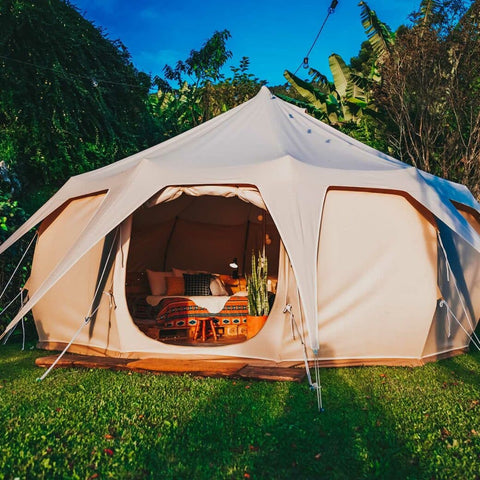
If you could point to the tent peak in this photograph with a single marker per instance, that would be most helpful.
(265, 91)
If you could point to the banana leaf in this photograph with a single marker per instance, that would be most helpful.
(321, 81)
(319, 114)
(340, 72)
(379, 35)
(307, 91)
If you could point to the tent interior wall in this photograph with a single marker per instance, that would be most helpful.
(201, 233)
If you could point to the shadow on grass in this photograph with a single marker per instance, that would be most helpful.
(468, 371)
(275, 431)
(380, 422)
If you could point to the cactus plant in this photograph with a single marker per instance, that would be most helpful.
(257, 286)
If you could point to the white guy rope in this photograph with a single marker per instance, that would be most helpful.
(14, 298)
(475, 342)
(85, 322)
(23, 321)
(9, 334)
(318, 383)
(313, 385)
(18, 265)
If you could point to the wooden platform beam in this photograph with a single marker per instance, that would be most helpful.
(204, 368)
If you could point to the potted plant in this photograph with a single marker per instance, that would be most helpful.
(257, 291)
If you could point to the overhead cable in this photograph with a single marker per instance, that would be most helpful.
(331, 9)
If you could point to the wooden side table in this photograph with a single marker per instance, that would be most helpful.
(201, 327)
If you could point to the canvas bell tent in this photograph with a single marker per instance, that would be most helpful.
(374, 261)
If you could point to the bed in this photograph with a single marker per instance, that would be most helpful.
(180, 316)
(174, 309)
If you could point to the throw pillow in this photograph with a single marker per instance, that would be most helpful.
(175, 286)
(197, 284)
(177, 272)
(217, 287)
(157, 282)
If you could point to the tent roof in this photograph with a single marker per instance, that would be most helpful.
(263, 132)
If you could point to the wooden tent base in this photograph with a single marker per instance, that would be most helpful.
(204, 368)
(240, 368)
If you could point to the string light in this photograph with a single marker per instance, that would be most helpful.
(331, 9)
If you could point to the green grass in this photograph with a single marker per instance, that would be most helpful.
(379, 422)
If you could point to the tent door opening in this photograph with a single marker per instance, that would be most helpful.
(189, 255)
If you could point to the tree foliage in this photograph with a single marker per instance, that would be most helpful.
(70, 99)
(201, 90)
(379, 34)
(430, 90)
(413, 93)
(350, 93)
(192, 101)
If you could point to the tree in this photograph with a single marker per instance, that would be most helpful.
(202, 91)
(239, 88)
(430, 90)
(70, 99)
(193, 100)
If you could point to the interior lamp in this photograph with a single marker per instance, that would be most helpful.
(234, 266)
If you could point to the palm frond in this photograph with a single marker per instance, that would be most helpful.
(379, 34)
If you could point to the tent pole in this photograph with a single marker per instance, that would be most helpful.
(245, 245)
(168, 243)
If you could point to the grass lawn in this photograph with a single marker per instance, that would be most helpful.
(379, 422)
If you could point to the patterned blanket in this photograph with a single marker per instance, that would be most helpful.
(178, 313)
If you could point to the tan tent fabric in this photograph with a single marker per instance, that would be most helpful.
(68, 302)
(377, 277)
(273, 155)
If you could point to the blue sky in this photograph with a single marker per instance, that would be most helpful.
(275, 35)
